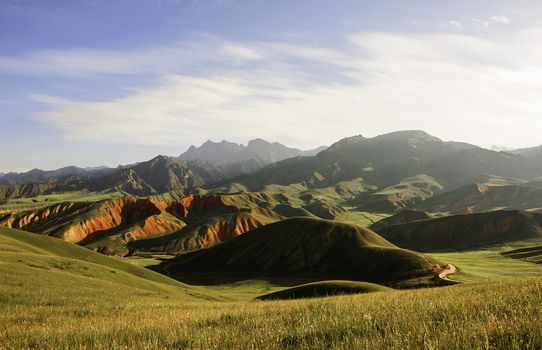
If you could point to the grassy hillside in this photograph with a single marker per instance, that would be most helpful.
(306, 249)
(466, 231)
(403, 217)
(495, 315)
(480, 197)
(408, 192)
(30, 262)
(324, 289)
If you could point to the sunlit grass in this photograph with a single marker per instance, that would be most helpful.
(495, 315)
(488, 263)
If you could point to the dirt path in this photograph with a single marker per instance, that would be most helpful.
(450, 269)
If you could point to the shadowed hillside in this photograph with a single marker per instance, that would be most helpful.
(387, 160)
(531, 254)
(324, 289)
(465, 231)
(479, 198)
(402, 217)
(10, 191)
(307, 249)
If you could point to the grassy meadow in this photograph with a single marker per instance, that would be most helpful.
(54, 295)
(489, 263)
(502, 314)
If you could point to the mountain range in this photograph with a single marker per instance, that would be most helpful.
(405, 169)
(257, 150)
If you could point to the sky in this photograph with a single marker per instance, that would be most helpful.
(108, 82)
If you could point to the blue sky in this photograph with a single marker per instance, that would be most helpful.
(103, 82)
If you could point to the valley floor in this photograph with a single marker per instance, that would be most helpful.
(500, 314)
(488, 263)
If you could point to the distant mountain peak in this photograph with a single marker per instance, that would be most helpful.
(259, 141)
(346, 141)
(258, 152)
(500, 148)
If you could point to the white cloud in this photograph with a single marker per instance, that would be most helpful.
(456, 24)
(480, 22)
(85, 63)
(500, 19)
(480, 90)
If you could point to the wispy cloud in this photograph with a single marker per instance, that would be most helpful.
(456, 24)
(449, 84)
(500, 19)
(84, 63)
(480, 22)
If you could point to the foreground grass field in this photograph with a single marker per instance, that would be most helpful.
(495, 315)
(54, 295)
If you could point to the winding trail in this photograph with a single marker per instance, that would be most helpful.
(450, 269)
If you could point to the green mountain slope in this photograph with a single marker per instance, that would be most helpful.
(35, 261)
(305, 249)
(534, 153)
(388, 159)
(402, 217)
(480, 197)
(465, 231)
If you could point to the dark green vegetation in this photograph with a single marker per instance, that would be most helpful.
(311, 249)
(469, 231)
(531, 254)
(402, 217)
(324, 289)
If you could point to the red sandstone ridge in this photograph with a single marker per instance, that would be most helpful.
(207, 220)
(227, 229)
(194, 205)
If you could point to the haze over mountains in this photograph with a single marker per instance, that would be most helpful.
(257, 150)
(534, 153)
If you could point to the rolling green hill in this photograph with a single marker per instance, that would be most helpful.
(29, 261)
(465, 231)
(324, 289)
(303, 248)
(402, 217)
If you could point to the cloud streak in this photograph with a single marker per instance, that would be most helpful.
(480, 90)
